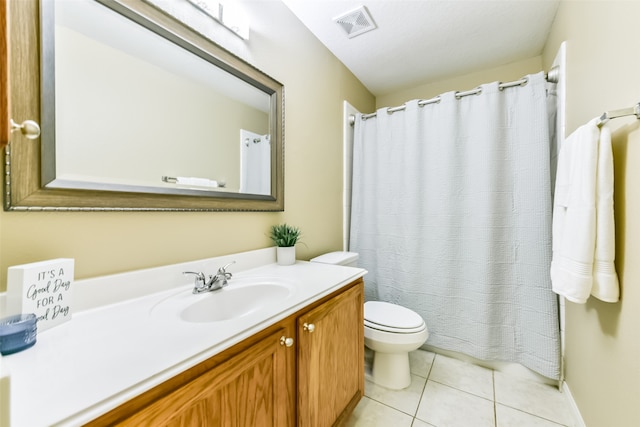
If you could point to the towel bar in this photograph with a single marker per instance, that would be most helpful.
(608, 115)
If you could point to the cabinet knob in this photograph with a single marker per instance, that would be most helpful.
(29, 128)
(288, 342)
(309, 327)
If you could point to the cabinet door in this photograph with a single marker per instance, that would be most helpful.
(250, 389)
(331, 359)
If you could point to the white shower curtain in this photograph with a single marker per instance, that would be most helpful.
(451, 216)
(255, 163)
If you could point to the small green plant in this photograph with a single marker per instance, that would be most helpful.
(285, 235)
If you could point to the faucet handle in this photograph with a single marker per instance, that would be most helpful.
(200, 277)
(223, 270)
(200, 284)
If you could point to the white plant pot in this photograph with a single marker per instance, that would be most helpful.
(286, 255)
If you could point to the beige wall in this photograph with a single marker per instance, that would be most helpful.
(603, 73)
(505, 73)
(315, 83)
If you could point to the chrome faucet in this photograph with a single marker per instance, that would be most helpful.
(213, 283)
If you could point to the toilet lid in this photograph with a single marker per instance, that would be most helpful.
(391, 317)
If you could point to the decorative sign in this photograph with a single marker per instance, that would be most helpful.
(42, 288)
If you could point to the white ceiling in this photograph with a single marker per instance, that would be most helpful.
(421, 41)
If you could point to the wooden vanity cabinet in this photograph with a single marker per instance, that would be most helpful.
(331, 359)
(250, 384)
(249, 389)
(306, 370)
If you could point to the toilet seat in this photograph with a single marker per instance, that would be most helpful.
(389, 317)
(390, 329)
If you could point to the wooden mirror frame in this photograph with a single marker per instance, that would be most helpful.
(23, 187)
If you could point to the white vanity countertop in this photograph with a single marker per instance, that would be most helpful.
(107, 355)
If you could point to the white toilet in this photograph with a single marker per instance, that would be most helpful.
(390, 330)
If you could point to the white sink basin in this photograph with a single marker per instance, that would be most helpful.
(233, 302)
(236, 300)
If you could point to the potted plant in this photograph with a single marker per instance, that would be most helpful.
(285, 237)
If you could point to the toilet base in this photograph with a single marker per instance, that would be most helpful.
(391, 370)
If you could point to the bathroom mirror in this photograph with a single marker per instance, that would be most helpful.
(139, 112)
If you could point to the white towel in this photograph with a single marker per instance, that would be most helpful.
(196, 182)
(583, 224)
(605, 279)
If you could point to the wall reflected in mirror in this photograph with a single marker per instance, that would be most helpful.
(132, 107)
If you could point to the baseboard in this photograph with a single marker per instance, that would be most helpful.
(577, 416)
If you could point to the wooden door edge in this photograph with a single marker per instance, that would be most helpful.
(4, 75)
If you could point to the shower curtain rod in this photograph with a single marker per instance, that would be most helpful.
(552, 76)
(608, 115)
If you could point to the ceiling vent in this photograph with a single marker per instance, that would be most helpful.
(356, 22)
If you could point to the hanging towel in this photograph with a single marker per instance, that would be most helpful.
(583, 224)
(196, 182)
(605, 279)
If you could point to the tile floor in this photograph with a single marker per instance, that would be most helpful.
(447, 392)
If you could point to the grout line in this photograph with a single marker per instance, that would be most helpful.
(426, 380)
(463, 391)
(430, 368)
(535, 415)
(390, 407)
(433, 361)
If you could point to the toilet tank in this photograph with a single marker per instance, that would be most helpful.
(349, 259)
